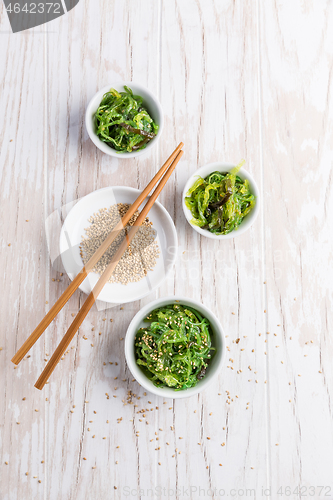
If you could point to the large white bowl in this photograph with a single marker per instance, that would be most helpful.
(150, 102)
(243, 174)
(218, 342)
(73, 230)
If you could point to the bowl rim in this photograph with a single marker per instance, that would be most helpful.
(100, 144)
(62, 239)
(223, 167)
(137, 372)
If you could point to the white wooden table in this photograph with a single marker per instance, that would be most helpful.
(237, 79)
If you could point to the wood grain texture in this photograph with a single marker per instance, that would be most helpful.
(297, 159)
(236, 80)
(23, 257)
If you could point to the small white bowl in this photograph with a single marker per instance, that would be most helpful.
(214, 367)
(150, 102)
(73, 230)
(224, 168)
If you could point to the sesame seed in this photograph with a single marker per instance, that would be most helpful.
(143, 247)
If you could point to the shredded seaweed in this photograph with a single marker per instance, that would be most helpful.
(176, 348)
(220, 201)
(123, 123)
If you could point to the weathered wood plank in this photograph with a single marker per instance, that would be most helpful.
(296, 51)
(23, 258)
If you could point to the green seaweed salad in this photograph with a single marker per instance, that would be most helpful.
(220, 201)
(123, 123)
(175, 349)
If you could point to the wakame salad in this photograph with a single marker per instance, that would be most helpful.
(123, 123)
(176, 348)
(220, 201)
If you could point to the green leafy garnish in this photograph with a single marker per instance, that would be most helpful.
(175, 349)
(220, 202)
(123, 123)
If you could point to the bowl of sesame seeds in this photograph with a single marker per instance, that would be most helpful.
(194, 377)
(145, 264)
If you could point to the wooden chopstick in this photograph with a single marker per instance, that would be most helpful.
(74, 285)
(58, 353)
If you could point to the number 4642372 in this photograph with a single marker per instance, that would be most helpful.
(34, 8)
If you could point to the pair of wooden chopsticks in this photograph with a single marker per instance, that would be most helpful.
(165, 171)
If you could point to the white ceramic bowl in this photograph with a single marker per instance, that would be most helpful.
(73, 230)
(243, 174)
(150, 102)
(214, 367)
